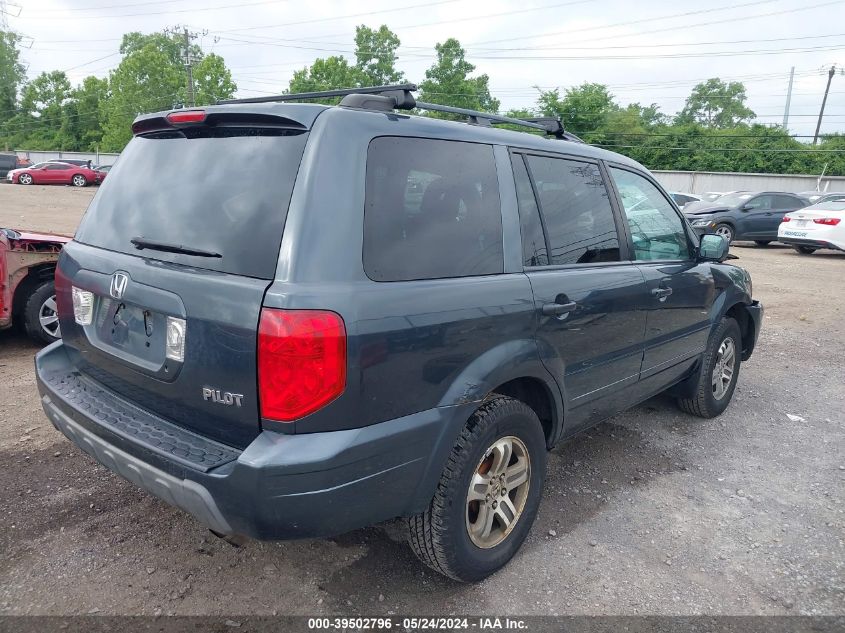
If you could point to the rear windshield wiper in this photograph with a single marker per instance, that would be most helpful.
(142, 243)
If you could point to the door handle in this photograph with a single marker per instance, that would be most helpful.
(557, 309)
(661, 293)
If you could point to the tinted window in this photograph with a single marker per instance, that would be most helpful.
(432, 210)
(576, 211)
(656, 229)
(787, 202)
(759, 202)
(533, 240)
(224, 190)
(58, 167)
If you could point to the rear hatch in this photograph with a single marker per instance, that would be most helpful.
(183, 239)
(819, 216)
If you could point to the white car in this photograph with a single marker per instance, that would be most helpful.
(811, 228)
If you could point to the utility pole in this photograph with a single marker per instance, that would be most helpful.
(788, 99)
(188, 61)
(830, 74)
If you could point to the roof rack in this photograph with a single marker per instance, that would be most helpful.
(399, 97)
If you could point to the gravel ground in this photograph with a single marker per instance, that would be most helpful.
(652, 512)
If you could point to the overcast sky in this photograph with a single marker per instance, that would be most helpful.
(650, 51)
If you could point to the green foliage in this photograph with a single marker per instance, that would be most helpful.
(584, 110)
(332, 73)
(212, 80)
(448, 82)
(715, 103)
(12, 74)
(375, 55)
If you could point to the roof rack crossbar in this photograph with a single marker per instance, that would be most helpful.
(323, 94)
(481, 118)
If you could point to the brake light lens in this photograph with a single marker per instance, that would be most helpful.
(827, 221)
(301, 362)
(786, 218)
(187, 116)
(83, 306)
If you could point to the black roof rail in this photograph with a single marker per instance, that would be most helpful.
(323, 94)
(399, 97)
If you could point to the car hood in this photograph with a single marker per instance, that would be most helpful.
(706, 210)
(35, 236)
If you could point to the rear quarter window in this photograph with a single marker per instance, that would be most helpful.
(432, 210)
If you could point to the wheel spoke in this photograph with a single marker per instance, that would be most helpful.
(51, 304)
(48, 319)
(516, 475)
(506, 512)
(478, 488)
(484, 523)
(502, 451)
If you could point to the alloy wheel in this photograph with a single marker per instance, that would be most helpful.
(48, 316)
(725, 231)
(723, 370)
(497, 492)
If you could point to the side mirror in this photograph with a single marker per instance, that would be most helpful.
(746, 207)
(713, 248)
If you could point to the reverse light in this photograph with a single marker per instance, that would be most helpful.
(187, 116)
(827, 221)
(301, 361)
(174, 346)
(83, 306)
(786, 218)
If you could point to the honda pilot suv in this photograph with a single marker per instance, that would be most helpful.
(365, 315)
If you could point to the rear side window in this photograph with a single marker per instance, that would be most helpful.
(533, 239)
(222, 190)
(576, 211)
(432, 210)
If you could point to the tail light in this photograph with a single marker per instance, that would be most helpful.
(827, 221)
(786, 218)
(301, 362)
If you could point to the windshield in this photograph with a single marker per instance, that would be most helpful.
(733, 199)
(223, 191)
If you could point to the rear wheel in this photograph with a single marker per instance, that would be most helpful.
(726, 231)
(762, 242)
(718, 373)
(40, 316)
(25, 179)
(805, 250)
(79, 180)
(488, 494)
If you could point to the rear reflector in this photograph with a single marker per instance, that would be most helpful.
(301, 362)
(187, 116)
(827, 221)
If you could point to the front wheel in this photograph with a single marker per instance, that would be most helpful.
(488, 494)
(718, 373)
(40, 316)
(726, 231)
(805, 250)
(79, 180)
(25, 179)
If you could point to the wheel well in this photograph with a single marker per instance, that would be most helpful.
(536, 395)
(740, 315)
(35, 276)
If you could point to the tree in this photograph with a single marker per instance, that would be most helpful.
(375, 54)
(583, 110)
(715, 103)
(448, 82)
(12, 74)
(42, 113)
(332, 73)
(87, 101)
(212, 80)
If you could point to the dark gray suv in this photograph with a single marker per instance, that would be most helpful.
(363, 315)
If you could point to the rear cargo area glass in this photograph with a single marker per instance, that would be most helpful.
(225, 191)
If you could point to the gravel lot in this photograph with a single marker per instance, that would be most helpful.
(652, 512)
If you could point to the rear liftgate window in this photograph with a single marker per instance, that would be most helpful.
(223, 190)
(432, 210)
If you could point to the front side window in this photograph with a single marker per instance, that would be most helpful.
(576, 210)
(432, 210)
(759, 202)
(656, 229)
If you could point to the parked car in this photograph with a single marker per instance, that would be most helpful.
(55, 173)
(682, 199)
(745, 216)
(822, 196)
(79, 162)
(287, 359)
(710, 196)
(103, 170)
(821, 225)
(27, 295)
(7, 163)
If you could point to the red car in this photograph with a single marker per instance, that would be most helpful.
(27, 294)
(55, 173)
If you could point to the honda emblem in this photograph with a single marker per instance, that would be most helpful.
(119, 281)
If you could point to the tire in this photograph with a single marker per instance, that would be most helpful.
(25, 179)
(709, 400)
(726, 231)
(41, 303)
(79, 180)
(805, 250)
(762, 242)
(440, 536)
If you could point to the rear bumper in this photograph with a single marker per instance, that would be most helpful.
(793, 241)
(278, 487)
